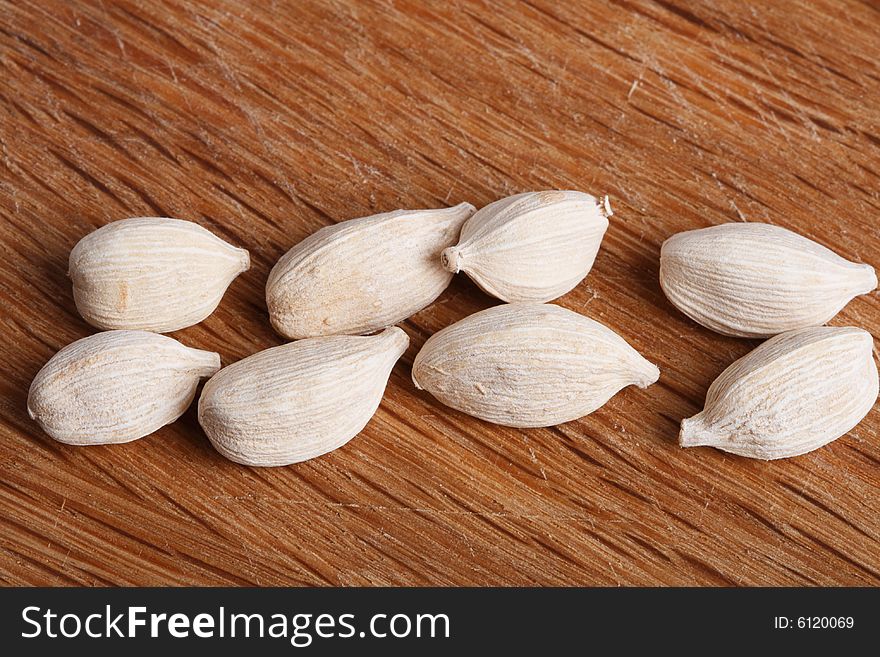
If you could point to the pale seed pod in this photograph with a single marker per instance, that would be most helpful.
(152, 273)
(117, 386)
(303, 399)
(757, 280)
(363, 275)
(532, 247)
(793, 394)
(528, 365)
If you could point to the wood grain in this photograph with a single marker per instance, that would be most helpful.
(266, 121)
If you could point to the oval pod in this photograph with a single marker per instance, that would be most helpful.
(532, 247)
(363, 275)
(300, 400)
(757, 280)
(117, 386)
(793, 394)
(528, 365)
(152, 273)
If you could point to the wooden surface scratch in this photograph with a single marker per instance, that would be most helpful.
(265, 121)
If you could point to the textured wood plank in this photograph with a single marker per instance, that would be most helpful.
(267, 121)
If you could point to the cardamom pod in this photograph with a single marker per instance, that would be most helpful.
(300, 400)
(793, 394)
(757, 280)
(528, 365)
(117, 386)
(532, 247)
(152, 273)
(363, 275)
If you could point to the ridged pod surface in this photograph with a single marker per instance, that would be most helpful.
(152, 273)
(793, 394)
(532, 247)
(300, 400)
(528, 365)
(363, 275)
(757, 280)
(117, 386)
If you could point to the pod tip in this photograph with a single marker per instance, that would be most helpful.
(451, 259)
(693, 432)
(870, 278)
(207, 363)
(396, 335)
(244, 260)
(650, 375)
(465, 207)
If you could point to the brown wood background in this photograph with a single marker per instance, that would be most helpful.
(266, 121)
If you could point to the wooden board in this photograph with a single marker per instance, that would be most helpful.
(266, 121)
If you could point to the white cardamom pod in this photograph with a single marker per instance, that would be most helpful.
(363, 275)
(757, 280)
(152, 273)
(793, 394)
(528, 365)
(117, 386)
(300, 400)
(532, 247)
